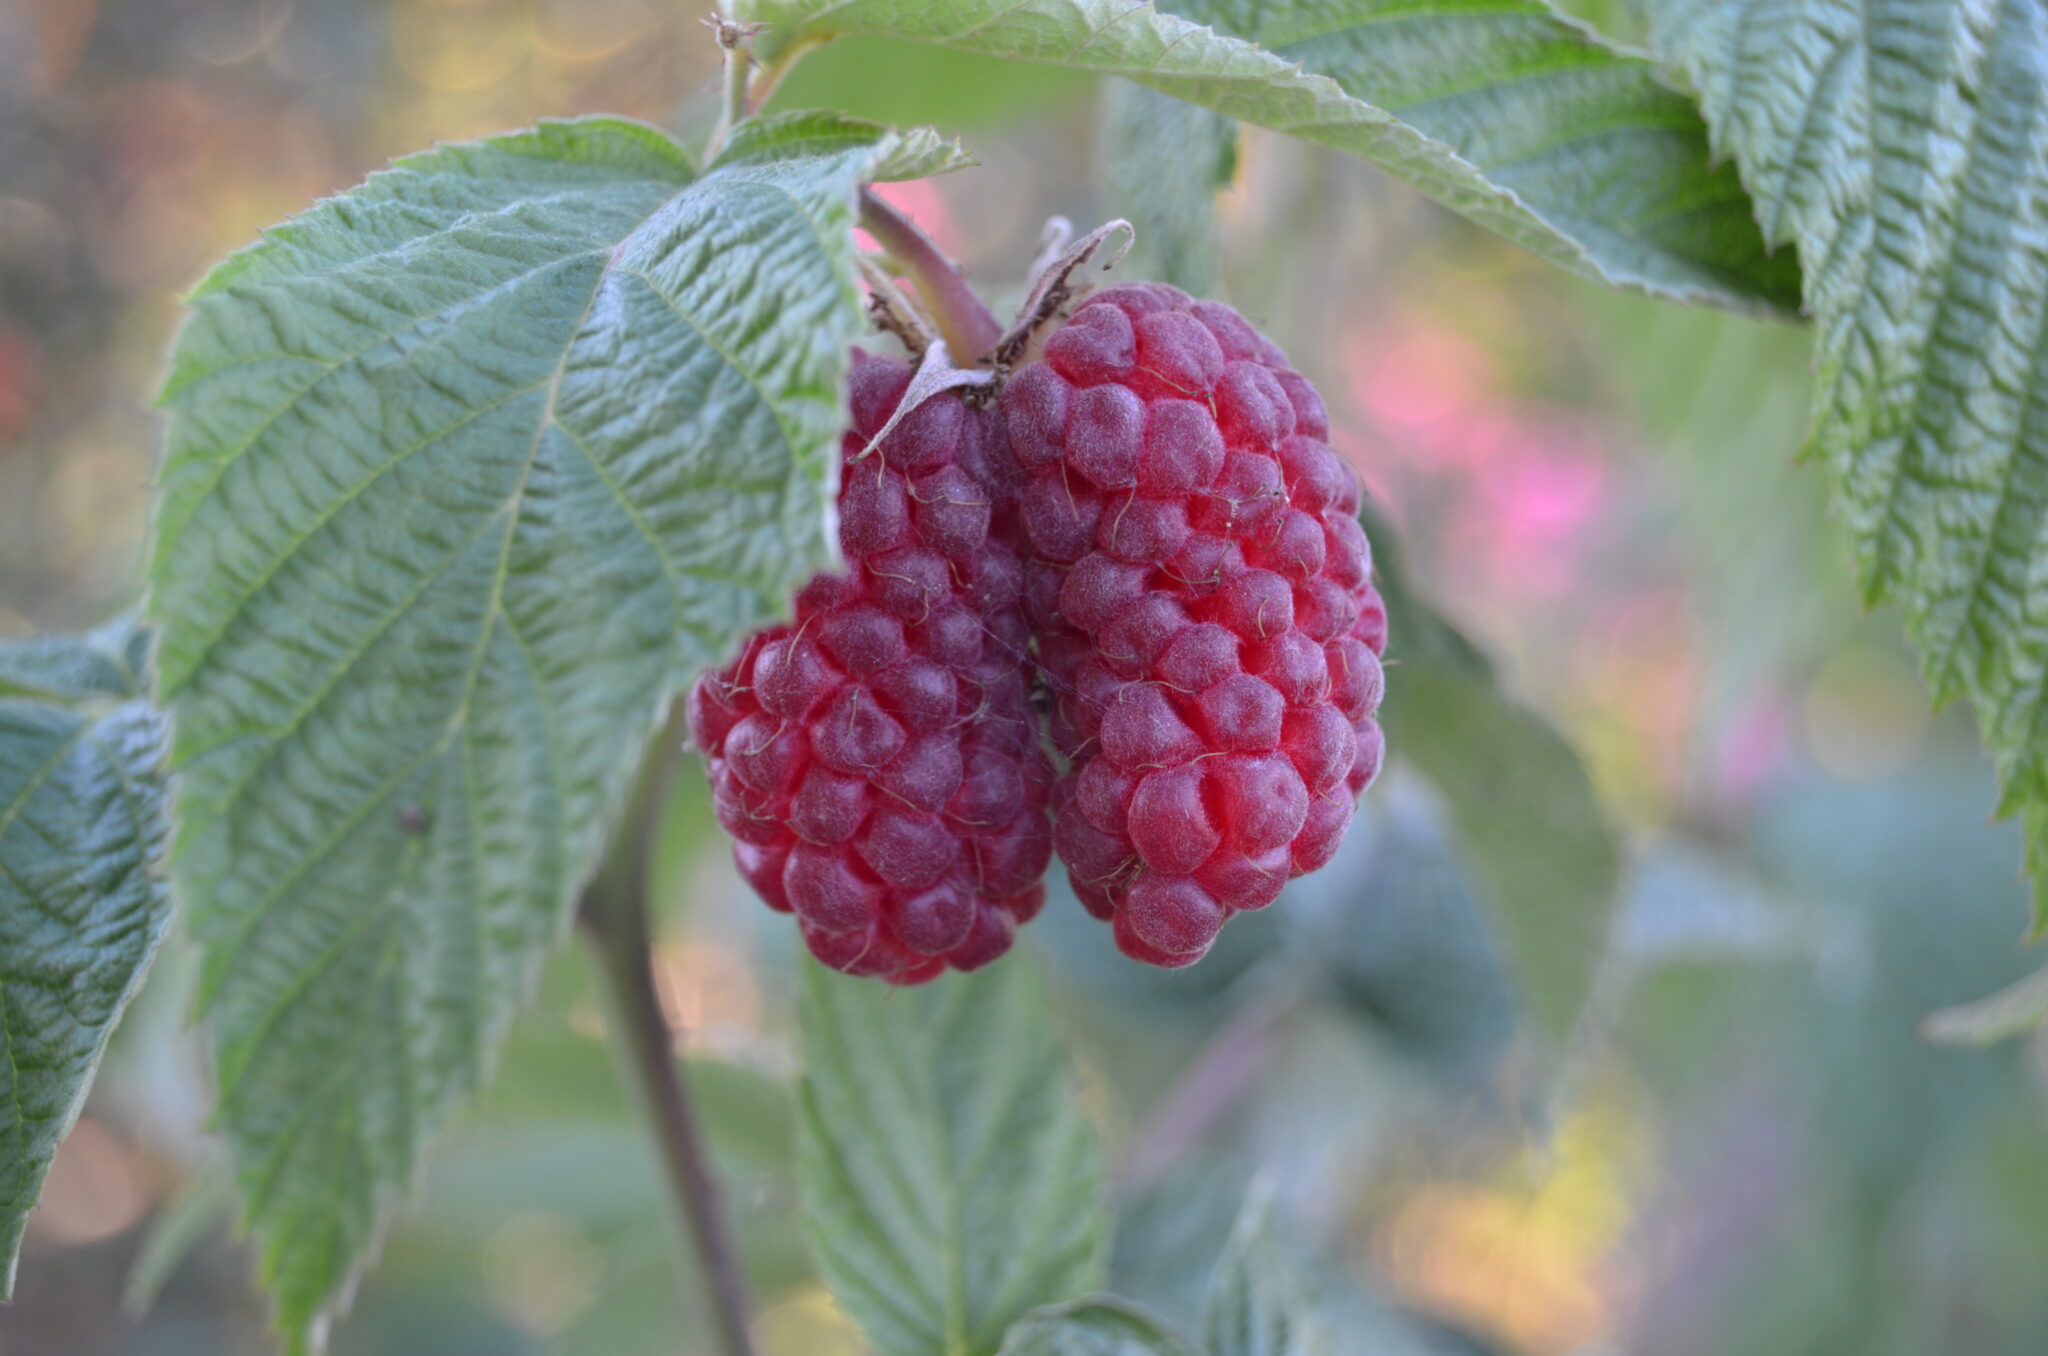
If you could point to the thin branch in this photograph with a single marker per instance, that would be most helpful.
(615, 918)
(969, 328)
(734, 108)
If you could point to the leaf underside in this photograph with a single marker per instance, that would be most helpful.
(81, 906)
(1902, 145)
(1101, 1325)
(2018, 1008)
(469, 469)
(1521, 120)
(1162, 161)
(950, 1181)
(1261, 1299)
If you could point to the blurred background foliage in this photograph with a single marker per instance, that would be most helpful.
(1744, 1146)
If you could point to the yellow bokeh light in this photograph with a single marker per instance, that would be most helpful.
(542, 1271)
(577, 32)
(458, 50)
(805, 1322)
(1523, 1257)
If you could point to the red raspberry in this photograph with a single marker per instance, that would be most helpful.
(877, 757)
(1202, 598)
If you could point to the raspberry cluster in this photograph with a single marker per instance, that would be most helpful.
(1154, 513)
(876, 758)
(1201, 595)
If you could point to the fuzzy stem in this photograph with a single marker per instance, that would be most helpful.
(968, 326)
(739, 63)
(614, 917)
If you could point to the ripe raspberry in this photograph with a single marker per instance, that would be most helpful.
(1201, 594)
(877, 758)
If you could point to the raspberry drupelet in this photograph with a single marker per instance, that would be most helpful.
(1201, 593)
(876, 758)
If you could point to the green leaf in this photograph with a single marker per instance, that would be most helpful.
(1101, 1325)
(1162, 161)
(950, 1181)
(1266, 1296)
(1401, 929)
(902, 82)
(915, 154)
(1524, 810)
(1170, 1231)
(1521, 120)
(1529, 821)
(1899, 145)
(81, 905)
(106, 665)
(2012, 1011)
(1262, 1299)
(469, 469)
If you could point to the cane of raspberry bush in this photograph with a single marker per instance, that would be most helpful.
(876, 758)
(1201, 595)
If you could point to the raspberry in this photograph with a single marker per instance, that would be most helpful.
(876, 757)
(1201, 596)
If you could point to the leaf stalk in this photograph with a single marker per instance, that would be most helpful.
(969, 328)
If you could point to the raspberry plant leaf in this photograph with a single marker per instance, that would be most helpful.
(917, 153)
(82, 906)
(469, 469)
(2015, 1010)
(930, 1122)
(1899, 145)
(1162, 161)
(1524, 121)
(1525, 812)
(1528, 821)
(1262, 1299)
(1101, 1325)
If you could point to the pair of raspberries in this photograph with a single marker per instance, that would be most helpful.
(1150, 526)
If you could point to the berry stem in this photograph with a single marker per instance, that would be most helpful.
(615, 919)
(969, 328)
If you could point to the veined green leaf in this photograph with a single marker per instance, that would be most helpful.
(915, 154)
(1903, 146)
(469, 469)
(1522, 120)
(1262, 1298)
(1101, 1325)
(81, 905)
(950, 1182)
(1268, 1296)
